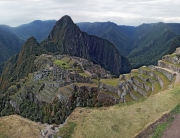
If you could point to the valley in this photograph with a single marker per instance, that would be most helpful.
(85, 81)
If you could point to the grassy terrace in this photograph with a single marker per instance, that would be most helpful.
(169, 63)
(148, 83)
(145, 68)
(123, 120)
(157, 88)
(137, 94)
(147, 76)
(127, 76)
(172, 55)
(113, 82)
(86, 84)
(128, 98)
(83, 74)
(134, 74)
(165, 80)
(67, 63)
(110, 93)
(66, 91)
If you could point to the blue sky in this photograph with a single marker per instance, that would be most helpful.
(122, 12)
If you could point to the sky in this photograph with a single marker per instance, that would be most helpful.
(122, 12)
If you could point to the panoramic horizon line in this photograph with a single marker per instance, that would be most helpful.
(93, 22)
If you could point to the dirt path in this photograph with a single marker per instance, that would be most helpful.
(173, 131)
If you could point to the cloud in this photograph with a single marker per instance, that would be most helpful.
(122, 12)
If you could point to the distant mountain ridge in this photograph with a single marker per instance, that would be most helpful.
(64, 38)
(12, 38)
(110, 31)
(142, 45)
(38, 29)
(67, 38)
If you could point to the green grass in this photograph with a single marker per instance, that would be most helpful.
(162, 127)
(86, 84)
(127, 76)
(144, 76)
(95, 80)
(67, 63)
(172, 55)
(66, 131)
(110, 93)
(62, 64)
(133, 74)
(166, 81)
(123, 120)
(128, 98)
(139, 96)
(157, 88)
(113, 82)
(169, 63)
(134, 70)
(159, 130)
(147, 83)
(84, 74)
(145, 68)
(3, 135)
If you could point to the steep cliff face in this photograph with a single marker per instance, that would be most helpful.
(110, 31)
(66, 38)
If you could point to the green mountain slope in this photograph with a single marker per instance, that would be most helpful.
(10, 43)
(12, 38)
(109, 31)
(66, 38)
(150, 43)
(38, 29)
(142, 45)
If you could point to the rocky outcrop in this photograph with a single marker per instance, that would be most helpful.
(66, 38)
(136, 88)
(133, 96)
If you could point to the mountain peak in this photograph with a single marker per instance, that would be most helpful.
(67, 38)
(66, 18)
(62, 25)
(30, 47)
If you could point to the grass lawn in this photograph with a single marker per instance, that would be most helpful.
(62, 64)
(123, 120)
(113, 82)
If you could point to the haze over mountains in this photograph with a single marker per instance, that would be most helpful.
(64, 38)
(142, 45)
(13, 38)
(60, 67)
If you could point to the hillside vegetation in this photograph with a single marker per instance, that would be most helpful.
(12, 38)
(122, 121)
(142, 45)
